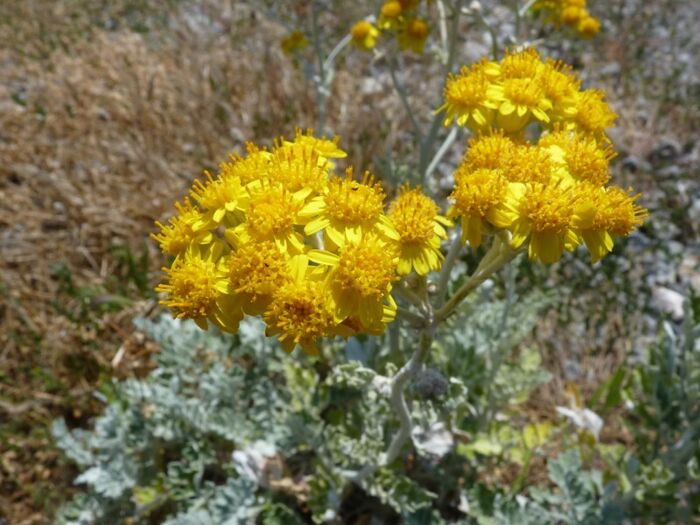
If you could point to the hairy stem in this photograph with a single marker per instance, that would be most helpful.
(499, 255)
(398, 401)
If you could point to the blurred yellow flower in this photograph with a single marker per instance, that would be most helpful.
(413, 34)
(295, 41)
(364, 35)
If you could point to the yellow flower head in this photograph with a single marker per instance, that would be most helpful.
(348, 209)
(572, 15)
(271, 215)
(295, 41)
(604, 212)
(257, 270)
(220, 197)
(488, 151)
(544, 214)
(299, 168)
(301, 312)
(559, 84)
(413, 34)
(197, 289)
(187, 227)
(326, 148)
(471, 97)
(253, 167)
(364, 35)
(477, 196)
(589, 113)
(523, 100)
(522, 64)
(420, 228)
(390, 14)
(588, 26)
(580, 157)
(528, 163)
(360, 278)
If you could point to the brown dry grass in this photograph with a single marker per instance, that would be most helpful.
(100, 132)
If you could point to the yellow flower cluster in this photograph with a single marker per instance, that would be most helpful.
(276, 233)
(398, 17)
(552, 195)
(572, 13)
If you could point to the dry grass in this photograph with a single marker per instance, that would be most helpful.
(100, 132)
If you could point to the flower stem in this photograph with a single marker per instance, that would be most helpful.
(398, 401)
(498, 256)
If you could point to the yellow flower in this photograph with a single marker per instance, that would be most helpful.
(489, 151)
(589, 113)
(364, 35)
(572, 15)
(347, 210)
(255, 271)
(477, 196)
(413, 34)
(523, 100)
(528, 163)
(220, 197)
(521, 64)
(579, 157)
(299, 168)
(605, 212)
(420, 228)
(271, 215)
(560, 86)
(545, 215)
(328, 149)
(389, 15)
(295, 41)
(588, 26)
(197, 288)
(472, 96)
(360, 279)
(253, 167)
(187, 227)
(301, 311)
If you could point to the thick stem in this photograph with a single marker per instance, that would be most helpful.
(398, 401)
(498, 256)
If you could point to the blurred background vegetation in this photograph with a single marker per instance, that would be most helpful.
(109, 109)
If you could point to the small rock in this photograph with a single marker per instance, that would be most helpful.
(634, 164)
(667, 150)
(668, 301)
(610, 69)
(671, 171)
